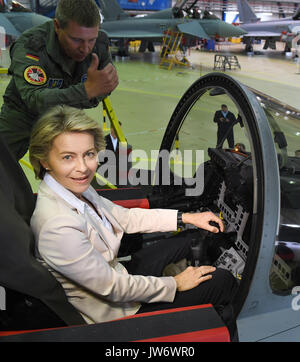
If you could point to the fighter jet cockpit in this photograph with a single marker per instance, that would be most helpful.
(211, 169)
(225, 144)
(191, 10)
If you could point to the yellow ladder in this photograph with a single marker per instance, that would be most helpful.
(3, 70)
(108, 109)
(171, 49)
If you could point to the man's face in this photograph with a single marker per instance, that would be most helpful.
(224, 109)
(76, 41)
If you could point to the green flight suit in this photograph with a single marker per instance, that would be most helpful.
(42, 78)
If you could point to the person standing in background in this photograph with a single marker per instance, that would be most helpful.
(225, 120)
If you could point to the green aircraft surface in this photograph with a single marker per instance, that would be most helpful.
(119, 25)
(18, 19)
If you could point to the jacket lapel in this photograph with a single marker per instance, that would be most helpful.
(96, 200)
(111, 240)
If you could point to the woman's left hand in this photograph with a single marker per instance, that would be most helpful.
(202, 219)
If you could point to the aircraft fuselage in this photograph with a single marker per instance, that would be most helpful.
(276, 27)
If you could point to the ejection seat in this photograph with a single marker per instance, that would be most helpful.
(31, 297)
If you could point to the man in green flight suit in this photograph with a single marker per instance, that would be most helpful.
(63, 61)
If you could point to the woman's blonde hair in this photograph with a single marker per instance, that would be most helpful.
(56, 121)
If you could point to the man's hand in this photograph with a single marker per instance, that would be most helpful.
(100, 82)
(202, 220)
(192, 276)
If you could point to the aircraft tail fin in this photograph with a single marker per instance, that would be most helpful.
(111, 10)
(246, 14)
(296, 16)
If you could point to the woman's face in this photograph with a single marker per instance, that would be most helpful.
(72, 161)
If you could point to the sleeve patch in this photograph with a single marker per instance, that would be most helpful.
(35, 75)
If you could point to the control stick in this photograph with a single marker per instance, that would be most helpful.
(199, 251)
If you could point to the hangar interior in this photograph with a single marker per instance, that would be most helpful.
(147, 93)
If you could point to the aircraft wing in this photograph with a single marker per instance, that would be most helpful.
(262, 34)
(8, 26)
(131, 34)
(193, 28)
(23, 20)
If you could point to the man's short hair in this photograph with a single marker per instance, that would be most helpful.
(224, 106)
(83, 12)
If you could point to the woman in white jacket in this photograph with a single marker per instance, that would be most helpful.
(78, 232)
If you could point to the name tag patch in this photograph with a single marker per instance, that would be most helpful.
(55, 83)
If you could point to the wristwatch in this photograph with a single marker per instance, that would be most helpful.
(179, 219)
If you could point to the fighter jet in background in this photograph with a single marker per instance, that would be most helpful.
(270, 31)
(118, 24)
(17, 20)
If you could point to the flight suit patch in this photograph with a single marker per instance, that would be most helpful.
(35, 75)
(84, 78)
(55, 83)
(32, 57)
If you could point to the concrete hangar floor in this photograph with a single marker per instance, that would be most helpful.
(147, 95)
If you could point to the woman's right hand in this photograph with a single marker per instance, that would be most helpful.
(192, 276)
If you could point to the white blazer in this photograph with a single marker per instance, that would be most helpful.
(81, 254)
